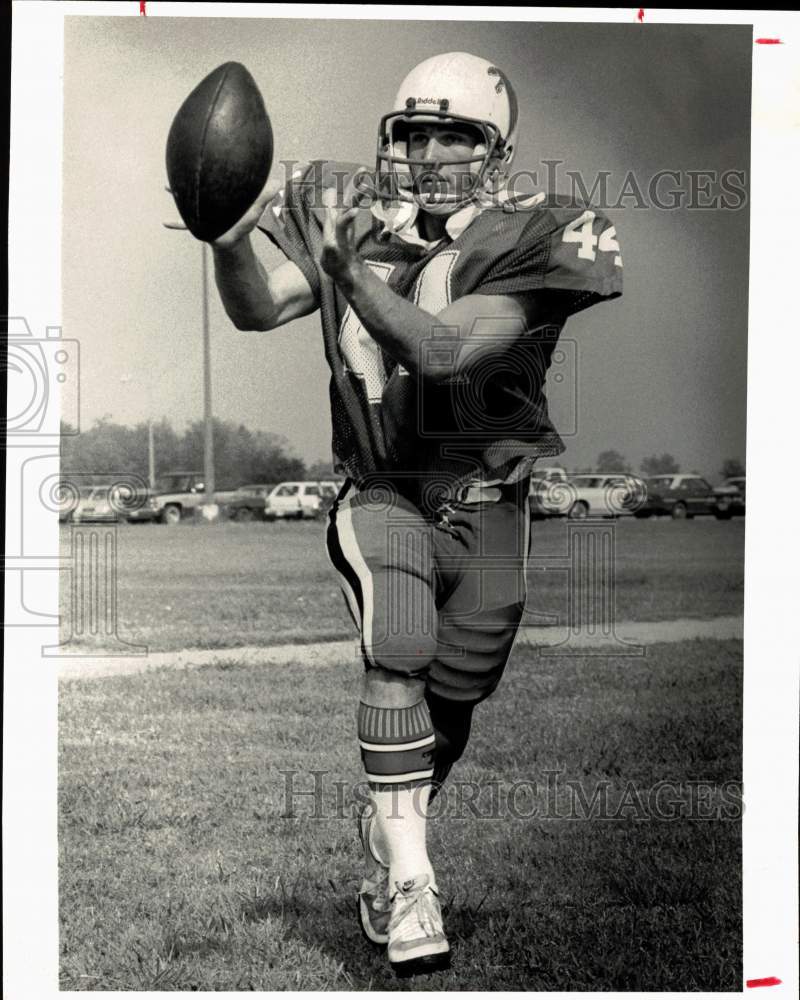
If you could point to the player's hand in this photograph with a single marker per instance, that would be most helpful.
(338, 253)
(249, 220)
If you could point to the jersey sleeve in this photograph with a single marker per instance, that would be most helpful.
(572, 249)
(288, 218)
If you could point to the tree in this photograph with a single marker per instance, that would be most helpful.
(657, 465)
(732, 467)
(612, 461)
(166, 445)
(105, 450)
(321, 470)
(272, 461)
(241, 456)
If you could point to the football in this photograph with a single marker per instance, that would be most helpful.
(219, 151)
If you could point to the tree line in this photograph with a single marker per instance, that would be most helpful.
(241, 455)
(657, 465)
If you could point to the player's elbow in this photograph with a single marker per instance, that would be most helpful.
(253, 322)
(247, 325)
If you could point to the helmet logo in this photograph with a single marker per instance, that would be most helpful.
(499, 86)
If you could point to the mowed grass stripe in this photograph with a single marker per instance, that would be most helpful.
(229, 585)
(617, 641)
(184, 865)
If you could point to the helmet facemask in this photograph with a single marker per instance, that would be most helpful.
(402, 177)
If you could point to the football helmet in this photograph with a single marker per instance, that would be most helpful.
(458, 89)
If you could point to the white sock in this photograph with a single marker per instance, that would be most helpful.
(401, 821)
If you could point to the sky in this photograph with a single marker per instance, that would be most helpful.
(663, 369)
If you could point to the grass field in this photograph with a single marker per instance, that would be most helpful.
(187, 865)
(216, 586)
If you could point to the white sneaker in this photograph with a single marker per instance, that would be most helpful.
(416, 933)
(374, 905)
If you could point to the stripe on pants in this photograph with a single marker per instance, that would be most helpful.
(348, 581)
(347, 559)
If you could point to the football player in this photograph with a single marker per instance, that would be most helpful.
(441, 296)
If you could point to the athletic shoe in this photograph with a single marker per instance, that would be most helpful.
(374, 905)
(416, 933)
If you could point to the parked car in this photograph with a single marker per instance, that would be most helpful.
(249, 502)
(328, 493)
(551, 497)
(68, 498)
(730, 497)
(299, 500)
(94, 505)
(681, 495)
(548, 494)
(588, 494)
(550, 473)
(605, 494)
(175, 495)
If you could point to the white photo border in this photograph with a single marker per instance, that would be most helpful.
(772, 552)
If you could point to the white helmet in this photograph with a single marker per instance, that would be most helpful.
(454, 87)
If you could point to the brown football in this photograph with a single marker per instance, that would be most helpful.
(219, 151)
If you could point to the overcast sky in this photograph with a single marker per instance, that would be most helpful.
(662, 369)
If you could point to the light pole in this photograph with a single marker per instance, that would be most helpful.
(208, 424)
(151, 455)
(208, 420)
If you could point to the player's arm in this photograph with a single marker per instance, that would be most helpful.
(485, 324)
(254, 298)
(257, 299)
(468, 330)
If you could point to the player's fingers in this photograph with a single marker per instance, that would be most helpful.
(276, 184)
(360, 189)
(329, 200)
(345, 220)
(331, 220)
(270, 189)
(174, 224)
(293, 171)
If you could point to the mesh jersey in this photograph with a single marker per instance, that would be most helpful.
(387, 421)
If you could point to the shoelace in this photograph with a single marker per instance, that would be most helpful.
(424, 906)
(377, 884)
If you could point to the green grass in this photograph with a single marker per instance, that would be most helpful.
(182, 867)
(226, 585)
